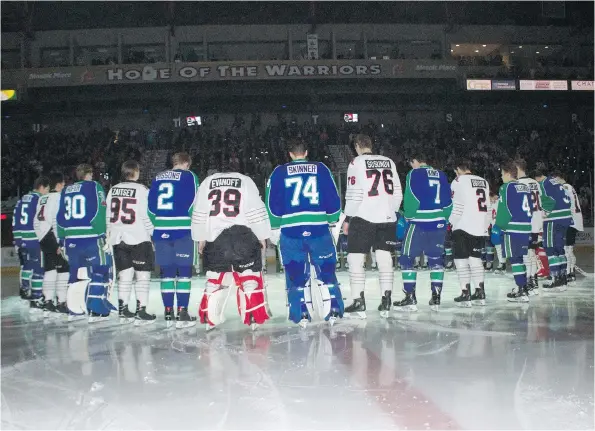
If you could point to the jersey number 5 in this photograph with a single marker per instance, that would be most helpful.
(121, 206)
(231, 198)
(387, 180)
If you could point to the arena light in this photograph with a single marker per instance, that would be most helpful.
(3, 217)
(8, 95)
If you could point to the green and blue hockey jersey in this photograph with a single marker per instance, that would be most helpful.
(515, 208)
(555, 201)
(427, 201)
(81, 212)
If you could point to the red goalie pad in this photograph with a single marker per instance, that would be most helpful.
(251, 298)
(544, 271)
(213, 302)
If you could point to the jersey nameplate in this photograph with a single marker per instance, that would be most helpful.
(169, 175)
(302, 169)
(27, 198)
(226, 182)
(125, 193)
(479, 184)
(75, 188)
(533, 186)
(555, 182)
(44, 200)
(433, 173)
(377, 164)
(521, 188)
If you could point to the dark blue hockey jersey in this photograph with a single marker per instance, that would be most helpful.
(555, 201)
(515, 208)
(24, 216)
(81, 213)
(302, 199)
(427, 200)
(171, 202)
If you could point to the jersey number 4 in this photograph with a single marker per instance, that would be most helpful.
(231, 198)
(387, 180)
(120, 210)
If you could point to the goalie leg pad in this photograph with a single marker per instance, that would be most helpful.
(98, 292)
(331, 298)
(212, 305)
(297, 275)
(251, 297)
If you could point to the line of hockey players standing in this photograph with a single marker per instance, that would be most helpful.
(70, 237)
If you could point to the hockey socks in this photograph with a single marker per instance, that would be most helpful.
(183, 292)
(168, 289)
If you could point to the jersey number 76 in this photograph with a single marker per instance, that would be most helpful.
(387, 181)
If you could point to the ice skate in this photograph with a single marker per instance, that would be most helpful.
(333, 319)
(409, 303)
(571, 277)
(305, 320)
(489, 266)
(385, 305)
(96, 317)
(479, 297)
(500, 269)
(36, 305)
(48, 309)
(464, 300)
(519, 295)
(124, 313)
(170, 317)
(435, 302)
(358, 308)
(142, 317)
(553, 285)
(62, 308)
(184, 320)
(563, 284)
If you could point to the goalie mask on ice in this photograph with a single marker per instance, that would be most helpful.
(250, 296)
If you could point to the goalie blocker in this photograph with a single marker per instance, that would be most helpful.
(238, 251)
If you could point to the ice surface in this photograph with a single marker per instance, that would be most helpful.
(503, 366)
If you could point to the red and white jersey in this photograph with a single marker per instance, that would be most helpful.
(470, 205)
(373, 189)
(493, 209)
(537, 217)
(227, 199)
(127, 216)
(575, 207)
(45, 215)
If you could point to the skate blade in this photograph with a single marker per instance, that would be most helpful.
(303, 323)
(562, 288)
(185, 324)
(464, 304)
(434, 307)
(75, 317)
(253, 327)
(140, 322)
(356, 315)
(481, 302)
(522, 299)
(46, 314)
(97, 319)
(406, 308)
(35, 311)
(384, 314)
(169, 324)
(210, 327)
(126, 320)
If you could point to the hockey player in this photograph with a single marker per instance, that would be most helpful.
(494, 240)
(28, 244)
(470, 219)
(24, 275)
(372, 199)
(557, 218)
(171, 199)
(514, 219)
(81, 224)
(55, 278)
(427, 207)
(536, 226)
(302, 200)
(129, 231)
(577, 218)
(231, 225)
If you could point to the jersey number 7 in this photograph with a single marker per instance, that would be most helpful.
(387, 180)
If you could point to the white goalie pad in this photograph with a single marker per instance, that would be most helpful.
(214, 300)
(317, 296)
(75, 297)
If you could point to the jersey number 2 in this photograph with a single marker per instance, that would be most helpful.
(387, 180)
(231, 198)
(481, 200)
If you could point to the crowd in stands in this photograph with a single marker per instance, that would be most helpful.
(255, 150)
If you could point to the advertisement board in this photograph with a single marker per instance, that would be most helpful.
(582, 85)
(543, 85)
(479, 84)
(228, 71)
(586, 237)
(503, 84)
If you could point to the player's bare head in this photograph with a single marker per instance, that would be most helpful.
(557, 174)
(417, 160)
(297, 149)
(539, 172)
(130, 170)
(363, 144)
(509, 171)
(521, 166)
(84, 172)
(463, 166)
(42, 185)
(57, 181)
(181, 161)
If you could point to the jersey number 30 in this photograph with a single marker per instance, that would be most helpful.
(74, 207)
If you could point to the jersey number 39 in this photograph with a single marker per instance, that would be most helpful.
(231, 198)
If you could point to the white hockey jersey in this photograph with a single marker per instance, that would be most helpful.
(537, 217)
(227, 199)
(45, 215)
(575, 207)
(373, 189)
(470, 205)
(127, 217)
